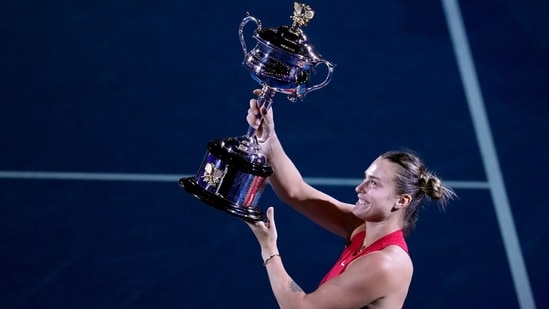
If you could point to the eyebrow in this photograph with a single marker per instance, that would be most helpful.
(371, 176)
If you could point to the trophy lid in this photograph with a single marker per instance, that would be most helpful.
(291, 38)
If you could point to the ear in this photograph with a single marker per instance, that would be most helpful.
(403, 201)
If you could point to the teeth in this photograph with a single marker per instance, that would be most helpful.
(361, 202)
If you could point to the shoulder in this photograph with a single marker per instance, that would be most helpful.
(390, 266)
(381, 275)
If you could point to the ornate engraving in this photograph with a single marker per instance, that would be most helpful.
(212, 175)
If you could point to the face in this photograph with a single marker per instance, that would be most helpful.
(376, 197)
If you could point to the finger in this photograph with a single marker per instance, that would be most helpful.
(253, 105)
(262, 224)
(256, 91)
(251, 117)
(270, 216)
(252, 120)
(255, 226)
(267, 115)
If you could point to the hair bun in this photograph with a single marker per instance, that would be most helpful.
(433, 187)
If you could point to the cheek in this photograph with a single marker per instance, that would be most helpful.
(385, 198)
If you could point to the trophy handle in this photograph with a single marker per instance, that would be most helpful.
(328, 78)
(241, 32)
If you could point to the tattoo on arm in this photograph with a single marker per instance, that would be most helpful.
(294, 287)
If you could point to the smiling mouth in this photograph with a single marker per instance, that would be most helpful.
(361, 202)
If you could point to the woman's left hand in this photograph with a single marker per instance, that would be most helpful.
(266, 234)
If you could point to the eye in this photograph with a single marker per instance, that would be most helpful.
(373, 182)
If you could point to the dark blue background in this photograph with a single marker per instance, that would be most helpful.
(141, 87)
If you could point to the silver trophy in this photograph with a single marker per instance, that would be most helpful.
(234, 172)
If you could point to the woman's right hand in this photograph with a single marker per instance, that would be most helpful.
(263, 123)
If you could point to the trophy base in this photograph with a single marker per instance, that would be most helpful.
(250, 214)
(232, 178)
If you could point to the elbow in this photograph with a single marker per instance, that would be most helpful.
(290, 193)
(289, 187)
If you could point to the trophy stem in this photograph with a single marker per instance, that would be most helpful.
(265, 99)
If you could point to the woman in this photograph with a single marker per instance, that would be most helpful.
(374, 270)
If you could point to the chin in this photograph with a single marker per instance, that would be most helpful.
(360, 210)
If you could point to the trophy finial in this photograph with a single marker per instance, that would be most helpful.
(302, 14)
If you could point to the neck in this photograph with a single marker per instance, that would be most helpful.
(376, 230)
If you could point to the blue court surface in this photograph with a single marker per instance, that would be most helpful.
(106, 104)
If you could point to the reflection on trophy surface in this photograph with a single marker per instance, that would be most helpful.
(234, 173)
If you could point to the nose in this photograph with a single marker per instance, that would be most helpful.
(361, 187)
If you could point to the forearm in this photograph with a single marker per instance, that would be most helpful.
(287, 293)
(286, 180)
